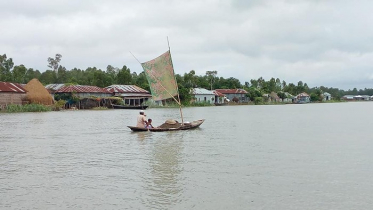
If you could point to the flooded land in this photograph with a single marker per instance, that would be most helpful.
(308, 156)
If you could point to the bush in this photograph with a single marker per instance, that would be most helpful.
(27, 108)
(258, 100)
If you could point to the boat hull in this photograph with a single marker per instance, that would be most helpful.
(186, 126)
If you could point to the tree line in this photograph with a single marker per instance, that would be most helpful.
(123, 76)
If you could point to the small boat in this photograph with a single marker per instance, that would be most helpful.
(128, 107)
(185, 126)
(163, 85)
(221, 104)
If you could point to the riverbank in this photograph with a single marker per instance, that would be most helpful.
(13, 108)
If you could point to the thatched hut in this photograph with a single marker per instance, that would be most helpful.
(37, 93)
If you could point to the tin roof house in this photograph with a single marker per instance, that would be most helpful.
(237, 95)
(83, 96)
(202, 95)
(83, 91)
(11, 93)
(52, 88)
(303, 98)
(220, 98)
(132, 95)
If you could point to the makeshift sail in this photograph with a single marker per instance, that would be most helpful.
(161, 77)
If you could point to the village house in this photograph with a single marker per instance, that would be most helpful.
(302, 98)
(11, 93)
(327, 96)
(220, 98)
(52, 88)
(348, 97)
(272, 97)
(132, 95)
(202, 95)
(364, 98)
(237, 95)
(83, 91)
(84, 96)
(357, 98)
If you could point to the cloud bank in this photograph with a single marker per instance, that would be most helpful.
(318, 42)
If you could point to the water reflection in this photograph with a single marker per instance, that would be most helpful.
(163, 184)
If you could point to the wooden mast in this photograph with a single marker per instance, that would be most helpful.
(177, 87)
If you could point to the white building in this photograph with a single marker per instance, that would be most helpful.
(327, 96)
(200, 95)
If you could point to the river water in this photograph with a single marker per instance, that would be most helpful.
(309, 156)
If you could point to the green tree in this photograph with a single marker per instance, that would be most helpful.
(190, 79)
(19, 73)
(6, 66)
(124, 76)
(54, 63)
(211, 77)
(31, 74)
(253, 93)
(48, 77)
(281, 95)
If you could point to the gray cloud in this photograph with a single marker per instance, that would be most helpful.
(318, 42)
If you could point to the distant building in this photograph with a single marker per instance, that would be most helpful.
(274, 97)
(202, 95)
(131, 94)
(220, 98)
(302, 98)
(365, 98)
(234, 94)
(356, 97)
(83, 91)
(348, 97)
(52, 88)
(327, 96)
(11, 93)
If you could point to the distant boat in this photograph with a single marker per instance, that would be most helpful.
(221, 104)
(128, 107)
(185, 126)
(163, 85)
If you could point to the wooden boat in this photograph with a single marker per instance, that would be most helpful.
(129, 107)
(185, 126)
(163, 85)
(221, 104)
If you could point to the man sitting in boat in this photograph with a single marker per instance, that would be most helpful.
(141, 120)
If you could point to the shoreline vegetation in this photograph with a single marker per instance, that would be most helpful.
(57, 74)
(13, 108)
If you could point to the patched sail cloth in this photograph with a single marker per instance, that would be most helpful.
(161, 78)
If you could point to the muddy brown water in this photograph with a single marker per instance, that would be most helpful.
(309, 156)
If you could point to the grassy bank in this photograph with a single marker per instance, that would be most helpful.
(13, 108)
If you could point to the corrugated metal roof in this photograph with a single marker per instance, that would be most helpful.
(125, 89)
(11, 87)
(231, 91)
(142, 95)
(82, 89)
(218, 93)
(303, 95)
(54, 87)
(201, 91)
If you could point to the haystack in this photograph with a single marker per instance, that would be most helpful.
(36, 93)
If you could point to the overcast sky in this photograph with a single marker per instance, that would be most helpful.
(320, 42)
